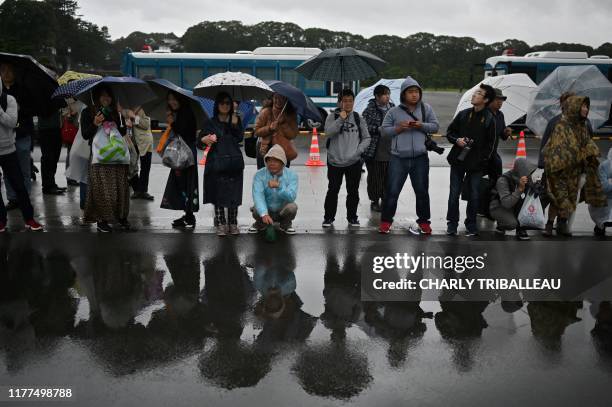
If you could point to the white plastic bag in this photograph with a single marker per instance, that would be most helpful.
(531, 214)
(109, 146)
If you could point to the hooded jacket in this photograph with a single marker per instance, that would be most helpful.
(268, 199)
(8, 122)
(507, 194)
(410, 143)
(345, 145)
(570, 151)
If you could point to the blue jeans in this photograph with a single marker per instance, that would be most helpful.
(23, 145)
(12, 174)
(399, 170)
(458, 176)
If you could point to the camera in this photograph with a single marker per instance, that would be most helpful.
(466, 149)
(431, 145)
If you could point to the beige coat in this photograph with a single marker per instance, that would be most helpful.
(142, 132)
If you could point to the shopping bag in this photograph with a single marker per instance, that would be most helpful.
(177, 154)
(531, 215)
(109, 146)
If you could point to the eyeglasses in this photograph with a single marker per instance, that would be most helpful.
(225, 102)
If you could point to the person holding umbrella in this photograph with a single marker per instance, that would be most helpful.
(347, 139)
(108, 198)
(24, 130)
(9, 162)
(223, 173)
(181, 191)
(277, 125)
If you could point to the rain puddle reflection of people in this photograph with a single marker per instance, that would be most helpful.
(338, 368)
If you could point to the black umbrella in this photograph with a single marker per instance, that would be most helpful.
(341, 64)
(300, 102)
(37, 81)
(157, 108)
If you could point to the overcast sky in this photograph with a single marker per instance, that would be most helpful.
(533, 21)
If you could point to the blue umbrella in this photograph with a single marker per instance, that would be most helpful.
(157, 108)
(247, 109)
(129, 92)
(72, 88)
(303, 105)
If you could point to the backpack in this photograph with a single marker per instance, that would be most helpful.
(357, 122)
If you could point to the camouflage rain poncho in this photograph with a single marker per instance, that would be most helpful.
(569, 153)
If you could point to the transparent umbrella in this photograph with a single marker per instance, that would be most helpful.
(585, 80)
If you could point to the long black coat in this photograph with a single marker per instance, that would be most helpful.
(223, 188)
(181, 191)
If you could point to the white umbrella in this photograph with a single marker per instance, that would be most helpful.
(240, 86)
(518, 87)
(363, 97)
(584, 80)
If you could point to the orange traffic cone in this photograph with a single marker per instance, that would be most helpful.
(521, 150)
(203, 160)
(314, 159)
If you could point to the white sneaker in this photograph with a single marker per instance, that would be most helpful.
(289, 230)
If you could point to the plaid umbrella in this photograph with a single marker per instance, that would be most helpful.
(70, 76)
(37, 81)
(341, 64)
(129, 92)
(240, 86)
(70, 89)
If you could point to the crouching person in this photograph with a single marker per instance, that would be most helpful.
(274, 192)
(508, 196)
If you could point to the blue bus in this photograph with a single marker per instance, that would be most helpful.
(538, 65)
(266, 63)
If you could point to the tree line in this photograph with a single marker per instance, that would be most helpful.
(53, 32)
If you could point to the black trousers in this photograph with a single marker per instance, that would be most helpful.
(12, 173)
(335, 174)
(145, 170)
(50, 147)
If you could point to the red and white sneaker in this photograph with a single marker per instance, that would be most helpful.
(425, 228)
(33, 225)
(2, 226)
(420, 228)
(384, 227)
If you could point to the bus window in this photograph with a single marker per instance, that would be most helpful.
(531, 71)
(290, 76)
(142, 71)
(313, 85)
(336, 88)
(266, 74)
(192, 75)
(212, 70)
(171, 73)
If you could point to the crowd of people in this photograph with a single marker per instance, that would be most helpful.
(393, 141)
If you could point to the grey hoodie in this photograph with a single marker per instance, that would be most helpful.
(8, 122)
(409, 143)
(345, 147)
(508, 194)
